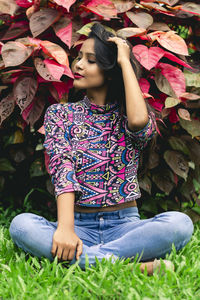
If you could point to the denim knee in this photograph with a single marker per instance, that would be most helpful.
(20, 226)
(181, 225)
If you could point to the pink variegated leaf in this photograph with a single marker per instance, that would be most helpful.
(1, 45)
(15, 53)
(156, 104)
(123, 6)
(55, 69)
(25, 3)
(58, 70)
(173, 42)
(153, 35)
(41, 79)
(68, 72)
(29, 42)
(54, 93)
(144, 85)
(43, 19)
(130, 32)
(15, 30)
(34, 111)
(175, 78)
(163, 84)
(43, 70)
(65, 3)
(167, 2)
(148, 57)
(8, 7)
(184, 114)
(189, 96)
(157, 7)
(63, 87)
(141, 19)
(25, 89)
(102, 8)
(159, 26)
(10, 76)
(55, 51)
(191, 7)
(67, 30)
(176, 59)
(165, 112)
(7, 106)
(173, 117)
(65, 34)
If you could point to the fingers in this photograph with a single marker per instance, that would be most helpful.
(65, 254)
(64, 248)
(59, 253)
(54, 249)
(71, 253)
(118, 41)
(79, 249)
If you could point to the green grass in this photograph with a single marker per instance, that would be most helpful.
(26, 277)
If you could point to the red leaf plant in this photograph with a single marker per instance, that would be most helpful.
(40, 40)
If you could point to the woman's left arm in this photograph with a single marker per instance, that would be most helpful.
(136, 109)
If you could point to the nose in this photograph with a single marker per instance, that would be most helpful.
(79, 64)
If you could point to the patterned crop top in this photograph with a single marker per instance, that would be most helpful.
(93, 152)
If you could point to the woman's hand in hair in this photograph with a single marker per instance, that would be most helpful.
(65, 243)
(123, 49)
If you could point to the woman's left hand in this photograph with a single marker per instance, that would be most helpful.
(123, 49)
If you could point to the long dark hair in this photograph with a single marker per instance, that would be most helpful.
(106, 58)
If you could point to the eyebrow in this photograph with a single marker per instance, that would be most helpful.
(87, 53)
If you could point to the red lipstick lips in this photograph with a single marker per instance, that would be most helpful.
(77, 76)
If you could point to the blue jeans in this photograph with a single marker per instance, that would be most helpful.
(121, 234)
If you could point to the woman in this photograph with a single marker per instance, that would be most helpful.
(94, 147)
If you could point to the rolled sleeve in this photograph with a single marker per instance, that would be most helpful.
(61, 164)
(143, 136)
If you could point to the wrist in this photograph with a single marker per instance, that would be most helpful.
(65, 227)
(124, 62)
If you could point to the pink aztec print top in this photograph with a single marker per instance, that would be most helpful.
(93, 153)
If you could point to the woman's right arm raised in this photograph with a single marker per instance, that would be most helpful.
(65, 240)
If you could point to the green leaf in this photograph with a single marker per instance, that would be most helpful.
(5, 166)
(85, 30)
(192, 79)
(192, 127)
(171, 102)
(2, 182)
(37, 169)
(177, 143)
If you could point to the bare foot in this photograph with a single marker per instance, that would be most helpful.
(147, 265)
(151, 266)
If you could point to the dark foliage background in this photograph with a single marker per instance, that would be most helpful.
(39, 42)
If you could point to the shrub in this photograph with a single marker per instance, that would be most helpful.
(40, 40)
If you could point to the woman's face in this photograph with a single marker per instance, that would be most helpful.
(87, 74)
